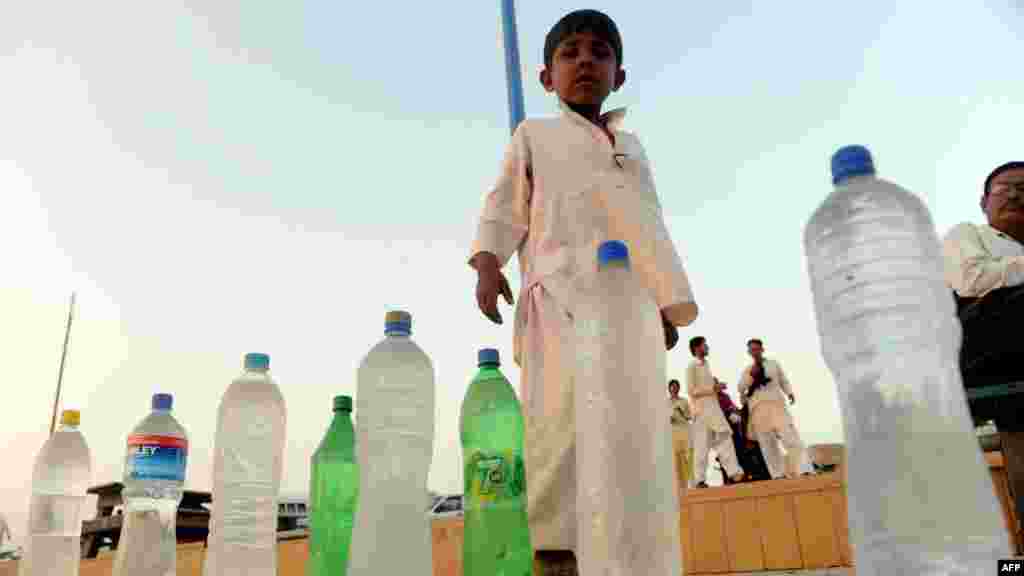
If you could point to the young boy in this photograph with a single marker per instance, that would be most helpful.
(567, 184)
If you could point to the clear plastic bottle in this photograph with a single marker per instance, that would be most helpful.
(60, 479)
(154, 482)
(394, 444)
(247, 460)
(496, 537)
(921, 498)
(333, 495)
(628, 512)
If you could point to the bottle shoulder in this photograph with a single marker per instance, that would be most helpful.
(161, 424)
(863, 202)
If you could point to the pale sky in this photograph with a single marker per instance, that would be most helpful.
(221, 177)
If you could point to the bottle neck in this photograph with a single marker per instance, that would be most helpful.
(67, 428)
(614, 264)
(855, 179)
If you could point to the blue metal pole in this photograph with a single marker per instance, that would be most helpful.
(512, 68)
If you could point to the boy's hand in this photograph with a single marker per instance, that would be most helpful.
(490, 282)
(671, 333)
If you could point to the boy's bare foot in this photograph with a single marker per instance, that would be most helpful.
(737, 477)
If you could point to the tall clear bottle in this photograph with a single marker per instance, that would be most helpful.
(247, 460)
(395, 444)
(496, 536)
(60, 479)
(333, 495)
(921, 499)
(627, 503)
(154, 482)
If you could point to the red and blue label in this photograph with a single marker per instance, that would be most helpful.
(153, 457)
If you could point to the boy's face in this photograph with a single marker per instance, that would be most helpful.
(583, 70)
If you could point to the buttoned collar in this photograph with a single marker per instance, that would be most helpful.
(612, 119)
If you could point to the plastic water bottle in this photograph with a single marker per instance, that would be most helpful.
(247, 460)
(154, 480)
(59, 482)
(395, 443)
(333, 495)
(921, 498)
(627, 503)
(496, 537)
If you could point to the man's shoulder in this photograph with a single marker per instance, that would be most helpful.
(964, 230)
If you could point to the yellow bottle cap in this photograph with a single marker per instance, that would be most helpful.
(70, 417)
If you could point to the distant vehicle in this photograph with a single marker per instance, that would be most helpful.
(446, 507)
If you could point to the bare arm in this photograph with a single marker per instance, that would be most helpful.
(503, 227)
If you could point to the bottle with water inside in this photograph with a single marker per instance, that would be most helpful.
(60, 479)
(627, 503)
(921, 498)
(333, 495)
(395, 444)
(496, 537)
(247, 461)
(154, 481)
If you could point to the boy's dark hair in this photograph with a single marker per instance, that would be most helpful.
(597, 23)
(755, 341)
(673, 381)
(694, 342)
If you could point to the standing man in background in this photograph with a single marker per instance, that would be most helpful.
(762, 386)
(681, 418)
(710, 428)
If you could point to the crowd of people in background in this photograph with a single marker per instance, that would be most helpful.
(756, 440)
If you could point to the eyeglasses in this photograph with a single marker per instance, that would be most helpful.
(1004, 188)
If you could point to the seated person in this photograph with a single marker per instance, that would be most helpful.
(748, 452)
(984, 265)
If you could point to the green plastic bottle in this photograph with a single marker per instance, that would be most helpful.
(333, 495)
(496, 540)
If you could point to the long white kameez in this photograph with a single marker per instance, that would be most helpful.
(564, 188)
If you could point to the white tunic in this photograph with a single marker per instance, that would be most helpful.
(562, 192)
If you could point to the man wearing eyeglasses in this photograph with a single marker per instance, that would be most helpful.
(985, 268)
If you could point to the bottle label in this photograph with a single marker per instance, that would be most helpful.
(495, 477)
(152, 457)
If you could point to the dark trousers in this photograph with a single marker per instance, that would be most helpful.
(991, 356)
(748, 452)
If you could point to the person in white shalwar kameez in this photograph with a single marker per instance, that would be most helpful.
(771, 424)
(710, 429)
(568, 184)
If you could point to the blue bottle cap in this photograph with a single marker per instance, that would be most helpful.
(398, 322)
(850, 161)
(488, 356)
(612, 251)
(162, 401)
(256, 362)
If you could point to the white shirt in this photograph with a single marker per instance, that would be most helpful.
(706, 409)
(980, 259)
(773, 390)
(560, 194)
